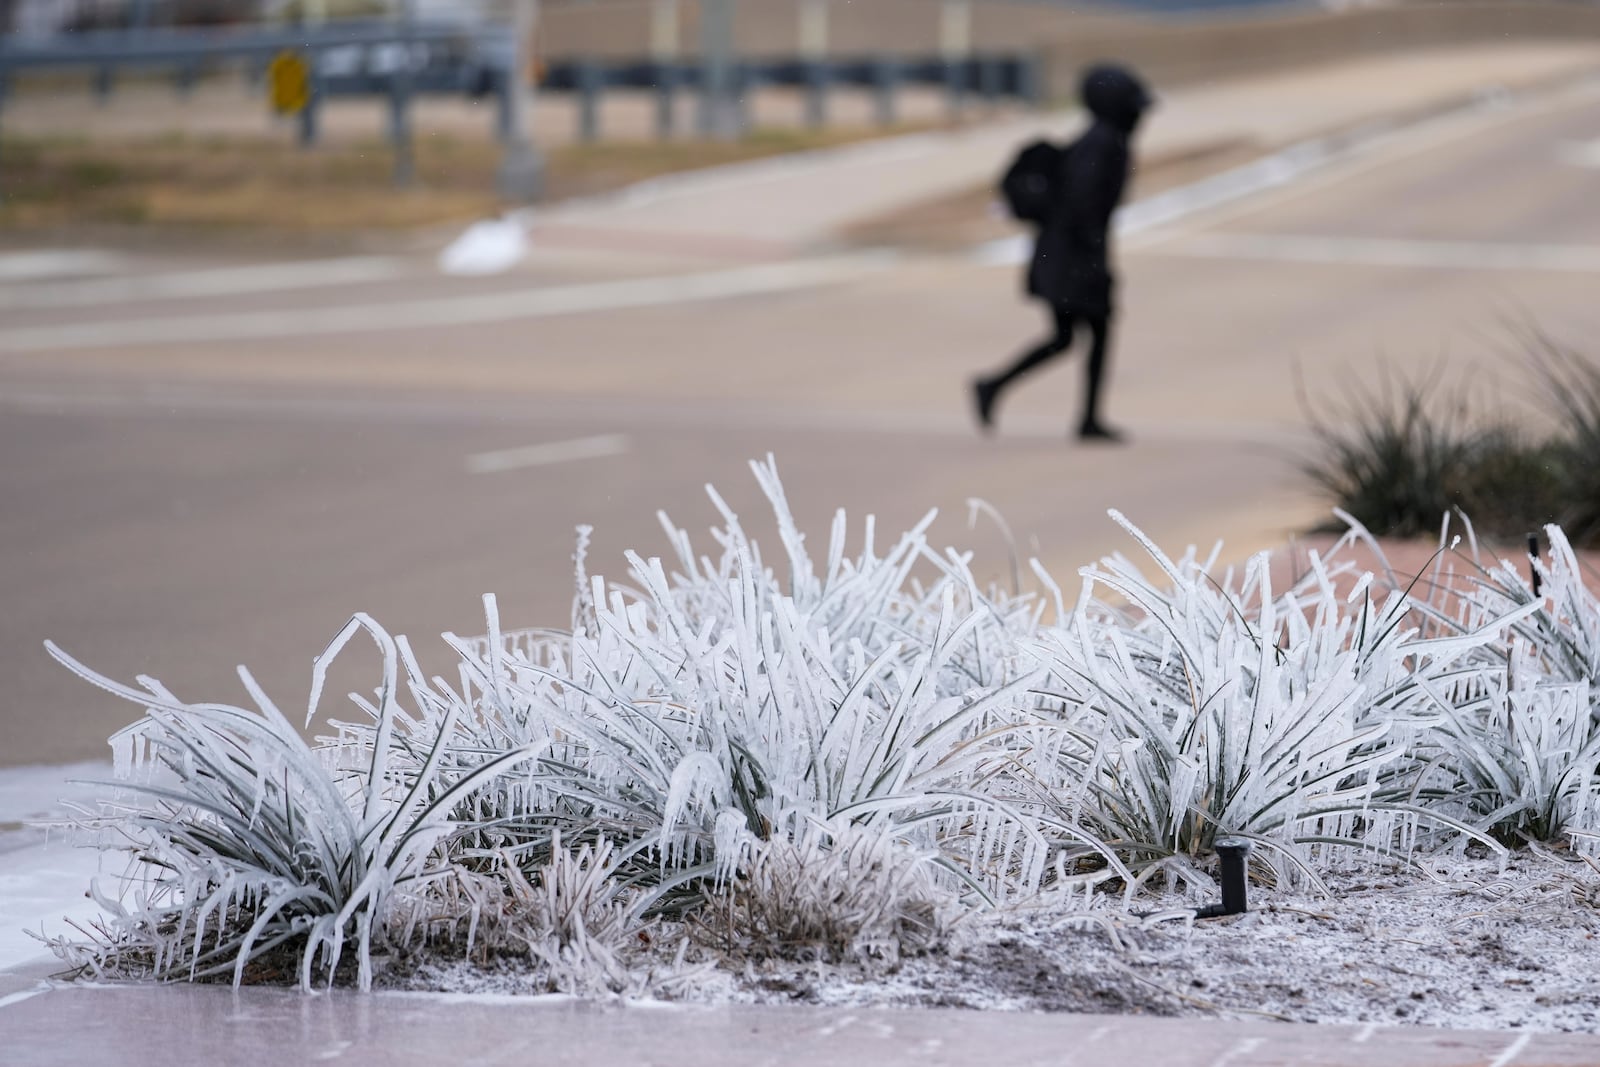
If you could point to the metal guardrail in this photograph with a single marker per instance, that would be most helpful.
(399, 59)
(412, 48)
(171, 47)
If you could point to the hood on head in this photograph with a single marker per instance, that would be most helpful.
(1116, 95)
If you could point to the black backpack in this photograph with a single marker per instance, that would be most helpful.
(1031, 186)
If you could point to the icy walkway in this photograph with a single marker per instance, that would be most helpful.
(134, 1027)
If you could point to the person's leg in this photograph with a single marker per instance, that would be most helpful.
(1091, 428)
(987, 390)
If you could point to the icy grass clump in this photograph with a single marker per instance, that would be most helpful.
(1520, 749)
(1206, 708)
(687, 716)
(833, 895)
(831, 761)
(247, 840)
(569, 927)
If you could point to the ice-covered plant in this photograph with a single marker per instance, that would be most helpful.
(1519, 750)
(250, 842)
(1206, 708)
(570, 923)
(728, 701)
(830, 893)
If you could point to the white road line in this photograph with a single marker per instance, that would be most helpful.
(45, 264)
(543, 455)
(1388, 252)
(1365, 1033)
(1511, 1051)
(220, 281)
(1580, 154)
(473, 309)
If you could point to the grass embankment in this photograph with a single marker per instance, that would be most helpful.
(265, 184)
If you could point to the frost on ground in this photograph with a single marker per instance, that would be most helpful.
(867, 776)
(1474, 947)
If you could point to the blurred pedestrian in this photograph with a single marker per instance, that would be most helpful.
(1070, 194)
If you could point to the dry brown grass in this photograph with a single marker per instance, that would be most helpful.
(264, 184)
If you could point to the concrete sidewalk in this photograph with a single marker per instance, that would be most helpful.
(159, 1026)
(795, 203)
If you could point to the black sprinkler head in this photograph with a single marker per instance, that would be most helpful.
(1234, 854)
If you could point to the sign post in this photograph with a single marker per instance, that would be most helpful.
(521, 176)
(814, 53)
(955, 45)
(719, 114)
(664, 17)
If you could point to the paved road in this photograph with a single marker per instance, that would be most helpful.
(203, 480)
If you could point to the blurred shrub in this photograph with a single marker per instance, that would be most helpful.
(1400, 458)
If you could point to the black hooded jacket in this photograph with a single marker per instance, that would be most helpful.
(1071, 267)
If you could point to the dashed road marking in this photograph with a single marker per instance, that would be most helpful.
(47, 264)
(1580, 154)
(549, 453)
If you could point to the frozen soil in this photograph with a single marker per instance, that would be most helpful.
(1476, 945)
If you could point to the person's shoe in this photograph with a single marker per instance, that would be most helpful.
(984, 393)
(1093, 432)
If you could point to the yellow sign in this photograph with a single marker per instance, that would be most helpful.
(289, 78)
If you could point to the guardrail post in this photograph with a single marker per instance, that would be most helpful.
(665, 53)
(105, 80)
(1030, 81)
(5, 88)
(818, 76)
(521, 176)
(400, 125)
(989, 80)
(401, 90)
(503, 82)
(955, 47)
(718, 108)
(814, 56)
(741, 90)
(309, 115)
(885, 80)
(591, 82)
(185, 79)
(666, 98)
